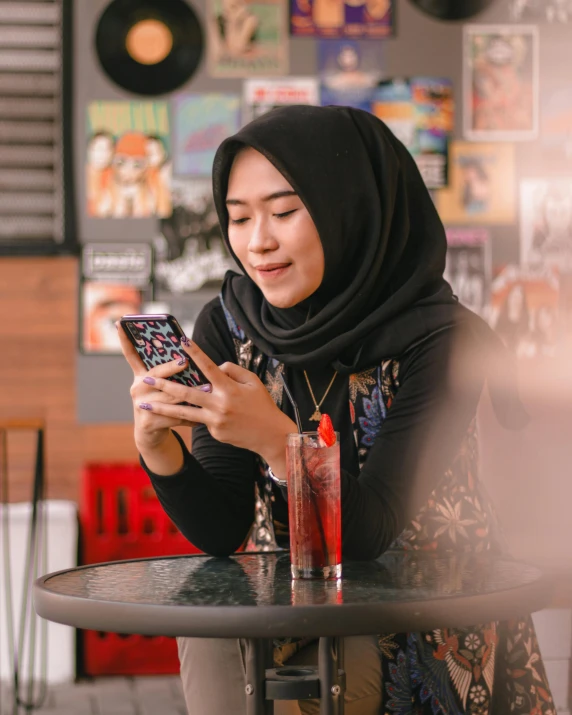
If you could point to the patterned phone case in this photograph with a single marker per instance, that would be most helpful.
(158, 342)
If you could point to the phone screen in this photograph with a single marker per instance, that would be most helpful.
(157, 339)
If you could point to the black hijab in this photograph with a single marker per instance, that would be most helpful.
(384, 244)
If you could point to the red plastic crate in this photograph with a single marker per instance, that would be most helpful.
(121, 518)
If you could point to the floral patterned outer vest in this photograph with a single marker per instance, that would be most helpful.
(487, 669)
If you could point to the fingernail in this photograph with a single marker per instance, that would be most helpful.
(206, 388)
(186, 341)
(182, 361)
(145, 406)
(149, 380)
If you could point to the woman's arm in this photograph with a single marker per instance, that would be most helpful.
(438, 396)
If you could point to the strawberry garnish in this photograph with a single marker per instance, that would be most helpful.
(326, 431)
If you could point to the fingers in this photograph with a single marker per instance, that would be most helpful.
(179, 413)
(237, 373)
(177, 392)
(129, 352)
(210, 370)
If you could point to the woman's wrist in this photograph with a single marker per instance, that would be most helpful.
(274, 448)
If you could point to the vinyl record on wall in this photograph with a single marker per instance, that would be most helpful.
(149, 47)
(452, 9)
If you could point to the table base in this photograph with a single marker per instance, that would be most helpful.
(264, 684)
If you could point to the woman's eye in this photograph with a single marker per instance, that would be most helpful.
(238, 221)
(286, 213)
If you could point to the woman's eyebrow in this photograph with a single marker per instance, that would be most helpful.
(270, 197)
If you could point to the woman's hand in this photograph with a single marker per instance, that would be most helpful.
(152, 429)
(238, 410)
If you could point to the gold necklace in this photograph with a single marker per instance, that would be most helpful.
(317, 416)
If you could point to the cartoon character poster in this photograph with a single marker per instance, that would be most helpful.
(247, 38)
(420, 112)
(261, 95)
(500, 82)
(525, 311)
(546, 223)
(468, 266)
(342, 18)
(541, 10)
(128, 162)
(481, 186)
(202, 122)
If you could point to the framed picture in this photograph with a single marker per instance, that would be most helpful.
(342, 18)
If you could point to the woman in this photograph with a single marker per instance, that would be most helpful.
(343, 295)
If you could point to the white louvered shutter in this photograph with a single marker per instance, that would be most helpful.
(31, 156)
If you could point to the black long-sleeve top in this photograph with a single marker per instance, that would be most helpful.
(211, 499)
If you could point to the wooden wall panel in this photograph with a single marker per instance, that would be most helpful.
(38, 348)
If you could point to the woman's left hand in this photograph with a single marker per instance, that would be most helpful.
(238, 410)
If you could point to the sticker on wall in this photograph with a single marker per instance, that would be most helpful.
(202, 122)
(342, 18)
(149, 47)
(468, 266)
(246, 38)
(525, 311)
(500, 82)
(546, 223)
(262, 95)
(481, 186)
(541, 10)
(420, 112)
(128, 165)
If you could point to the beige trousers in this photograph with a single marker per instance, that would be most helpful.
(213, 675)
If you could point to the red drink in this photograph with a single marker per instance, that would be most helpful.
(314, 507)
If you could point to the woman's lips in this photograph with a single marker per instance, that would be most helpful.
(272, 270)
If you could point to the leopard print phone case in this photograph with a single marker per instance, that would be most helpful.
(157, 339)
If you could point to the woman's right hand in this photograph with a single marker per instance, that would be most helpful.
(151, 429)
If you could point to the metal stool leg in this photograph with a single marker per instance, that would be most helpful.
(331, 685)
(258, 653)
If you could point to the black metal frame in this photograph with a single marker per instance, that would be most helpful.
(264, 684)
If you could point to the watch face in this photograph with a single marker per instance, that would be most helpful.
(452, 9)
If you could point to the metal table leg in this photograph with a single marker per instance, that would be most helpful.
(258, 658)
(331, 685)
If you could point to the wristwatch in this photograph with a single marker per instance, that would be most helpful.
(282, 483)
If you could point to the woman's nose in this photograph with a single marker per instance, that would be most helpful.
(261, 238)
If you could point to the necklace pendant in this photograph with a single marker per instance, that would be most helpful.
(317, 416)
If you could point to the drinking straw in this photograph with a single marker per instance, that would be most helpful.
(312, 494)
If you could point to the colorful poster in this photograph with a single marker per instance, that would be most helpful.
(349, 71)
(546, 223)
(202, 122)
(525, 311)
(481, 186)
(342, 18)
(246, 38)
(128, 164)
(468, 266)
(261, 95)
(420, 112)
(541, 10)
(500, 82)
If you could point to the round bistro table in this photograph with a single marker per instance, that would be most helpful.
(252, 596)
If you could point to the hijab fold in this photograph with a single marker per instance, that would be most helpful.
(384, 246)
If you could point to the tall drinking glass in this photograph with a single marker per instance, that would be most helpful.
(314, 506)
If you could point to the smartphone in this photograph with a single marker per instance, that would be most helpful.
(157, 339)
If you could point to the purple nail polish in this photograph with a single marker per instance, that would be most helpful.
(206, 388)
(186, 341)
(145, 406)
(149, 380)
(182, 361)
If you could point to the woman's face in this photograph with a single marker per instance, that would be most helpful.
(271, 231)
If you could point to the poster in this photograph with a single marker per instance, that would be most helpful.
(190, 256)
(541, 10)
(420, 112)
(128, 162)
(349, 71)
(116, 280)
(500, 82)
(556, 121)
(468, 266)
(339, 18)
(546, 223)
(481, 186)
(202, 122)
(261, 95)
(246, 38)
(525, 311)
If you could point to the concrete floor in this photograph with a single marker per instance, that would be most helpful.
(154, 695)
